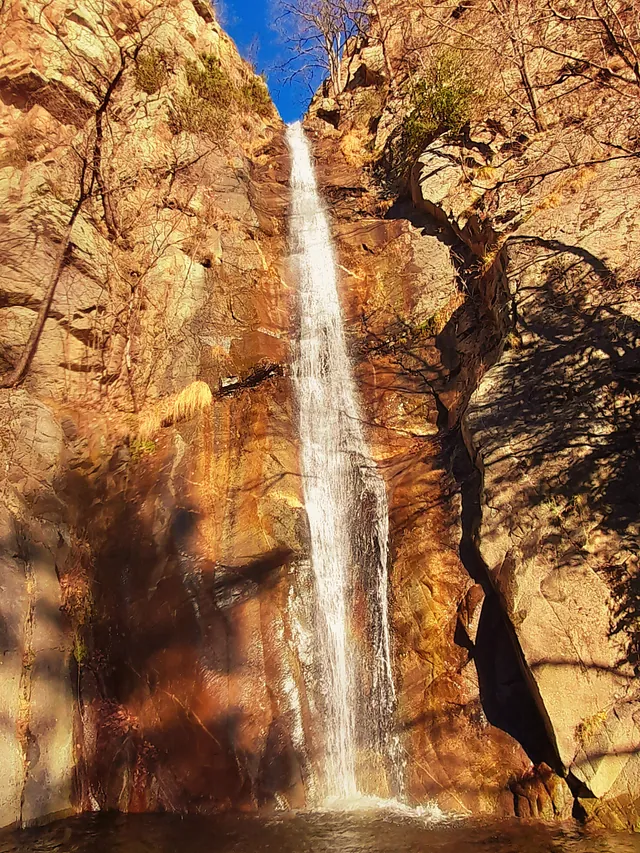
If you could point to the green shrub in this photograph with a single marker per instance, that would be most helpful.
(211, 95)
(209, 82)
(441, 102)
(371, 101)
(140, 447)
(192, 114)
(204, 106)
(254, 96)
(150, 71)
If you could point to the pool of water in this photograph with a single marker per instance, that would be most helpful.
(322, 832)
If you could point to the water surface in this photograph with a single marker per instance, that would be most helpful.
(328, 832)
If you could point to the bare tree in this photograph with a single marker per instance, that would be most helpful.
(505, 34)
(15, 376)
(601, 37)
(388, 19)
(515, 23)
(318, 33)
(102, 80)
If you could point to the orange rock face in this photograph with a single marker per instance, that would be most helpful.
(150, 449)
(473, 301)
(158, 596)
(404, 313)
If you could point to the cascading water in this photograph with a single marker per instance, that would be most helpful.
(346, 505)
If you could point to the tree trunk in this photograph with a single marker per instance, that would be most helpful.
(15, 376)
(532, 97)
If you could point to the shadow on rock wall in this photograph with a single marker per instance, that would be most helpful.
(564, 413)
(175, 675)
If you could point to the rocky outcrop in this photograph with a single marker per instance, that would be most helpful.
(151, 503)
(494, 314)
(552, 426)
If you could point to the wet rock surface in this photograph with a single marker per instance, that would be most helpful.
(151, 521)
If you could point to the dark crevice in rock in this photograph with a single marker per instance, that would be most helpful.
(76, 367)
(331, 116)
(579, 812)
(509, 695)
(508, 692)
(26, 740)
(258, 374)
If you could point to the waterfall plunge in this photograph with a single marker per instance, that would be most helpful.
(346, 505)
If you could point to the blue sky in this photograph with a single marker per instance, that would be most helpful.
(250, 23)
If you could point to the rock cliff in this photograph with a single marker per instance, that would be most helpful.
(150, 498)
(155, 575)
(491, 271)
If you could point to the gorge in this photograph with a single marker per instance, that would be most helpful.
(319, 443)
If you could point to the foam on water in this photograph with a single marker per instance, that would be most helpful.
(428, 812)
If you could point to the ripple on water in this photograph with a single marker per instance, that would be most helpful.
(374, 827)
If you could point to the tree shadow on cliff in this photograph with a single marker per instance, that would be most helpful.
(406, 355)
(190, 759)
(624, 580)
(424, 360)
(404, 209)
(168, 637)
(572, 383)
(564, 412)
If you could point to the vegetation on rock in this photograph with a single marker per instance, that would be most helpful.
(254, 96)
(209, 82)
(210, 97)
(192, 114)
(150, 70)
(192, 400)
(441, 101)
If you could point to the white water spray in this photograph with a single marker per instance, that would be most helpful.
(346, 504)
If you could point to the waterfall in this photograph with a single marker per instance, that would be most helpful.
(346, 505)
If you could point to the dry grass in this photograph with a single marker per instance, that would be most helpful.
(75, 586)
(353, 148)
(491, 254)
(487, 174)
(192, 400)
(512, 342)
(590, 726)
(570, 185)
(25, 146)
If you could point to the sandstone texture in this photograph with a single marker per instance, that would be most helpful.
(491, 279)
(151, 509)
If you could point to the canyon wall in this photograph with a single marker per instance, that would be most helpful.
(155, 573)
(491, 276)
(151, 500)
